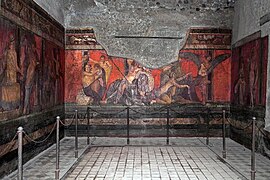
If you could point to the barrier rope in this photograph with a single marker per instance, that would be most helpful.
(242, 128)
(175, 111)
(68, 116)
(42, 141)
(218, 118)
(67, 125)
(134, 119)
(105, 114)
(9, 146)
(93, 140)
(151, 113)
(261, 131)
(202, 111)
(84, 117)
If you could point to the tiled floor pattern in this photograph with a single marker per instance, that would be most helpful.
(107, 141)
(240, 158)
(148, 158)
(153, 162)
(43, 166)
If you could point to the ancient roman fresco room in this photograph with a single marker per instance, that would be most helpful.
(134, 89)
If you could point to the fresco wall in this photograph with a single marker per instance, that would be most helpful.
(31, 77)
(248, 94)
(249, 73)
(201, 73)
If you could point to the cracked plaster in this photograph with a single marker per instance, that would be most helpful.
(164, 18)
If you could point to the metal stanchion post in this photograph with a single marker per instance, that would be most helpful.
(88, 124)
(127, 125)
(20, 144)
(57, 170)
(207, 133)
(224, 134)
(76, 133)
(253, 171)
(168, 125)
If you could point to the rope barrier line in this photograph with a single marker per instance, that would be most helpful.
(42, 141)
(242, 128)
(134, 119)
(151, 113)
(66, 125)
(84, 117)
(261, 131)
(68, 116)
(10, 145)
(107, 113)
(93, 140)
(214, 117)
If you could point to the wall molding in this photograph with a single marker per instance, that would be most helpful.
(29, 15)
(247, 39)
(265, 19)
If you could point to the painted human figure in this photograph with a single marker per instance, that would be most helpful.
(134, 68)
(203, 78)
(240, 86)
(253, 77)
(12, 67)
(141, 87)
(56, 61)
(164, 95)
(30, 74)
(104, 64)
(88, 76)
(10, 90)
(171, 78)
(95, 77)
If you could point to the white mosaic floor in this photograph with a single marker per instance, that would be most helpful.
(147, 158)
(131, 162)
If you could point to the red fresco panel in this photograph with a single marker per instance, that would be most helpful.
(251, 76)
(264, 69)
(119, 70)
(221, 79)
(189, 66)
(246, 63)
(234, 75)
(156, 75)
(73, 74)
(62, 75)
(35, 93)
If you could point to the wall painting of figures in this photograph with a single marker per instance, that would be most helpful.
(31, 68)
(30, 64)
(53, 75)
(10, 71)
(249, 73)
(262, 98)
(200, 75)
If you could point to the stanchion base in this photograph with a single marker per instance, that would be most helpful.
(224, 154)
(57, 172)
(252, 175)
(128, 141)
(88, 141)
(76, 153)
(168, 142)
